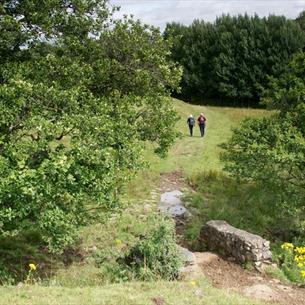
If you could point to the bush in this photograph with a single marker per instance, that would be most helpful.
(154, 255)
(291, 260)
(270, 151)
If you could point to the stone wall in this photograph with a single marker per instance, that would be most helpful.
(222, 238)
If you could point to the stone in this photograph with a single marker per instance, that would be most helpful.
(260, 291)
(19, 285)
(187, 256)
(171, 205)
(199, 293)
(173, 197)
(221, 237)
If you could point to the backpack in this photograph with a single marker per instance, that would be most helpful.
(191, 121)
(201, 120)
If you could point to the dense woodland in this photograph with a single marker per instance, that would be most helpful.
(231, 59)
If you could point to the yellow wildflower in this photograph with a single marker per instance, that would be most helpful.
(300, 250)
(302, 273)
(300, 265)
(33, 267)
(287, 246)
(119, 243)
(193, 283)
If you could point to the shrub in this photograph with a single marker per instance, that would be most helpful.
(154, 255)
(292, 262)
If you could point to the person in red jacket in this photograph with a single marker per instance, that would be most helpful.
(201, 122)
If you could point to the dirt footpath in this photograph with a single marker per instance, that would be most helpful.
(228, 275)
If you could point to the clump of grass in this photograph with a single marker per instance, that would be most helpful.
(277, 273)
(242, 204)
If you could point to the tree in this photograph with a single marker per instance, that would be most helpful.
(301, 20)
(79, 94)
(231, 58)
(271, 150)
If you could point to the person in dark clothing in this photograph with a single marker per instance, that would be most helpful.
(191, 123)
(201, 122)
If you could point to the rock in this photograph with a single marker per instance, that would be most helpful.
(203, 258)
(172, 205)
(219, 236)
(285, 288)
(260, 291)
(172, 198)
(19, 285)
(174, 210)
(187, 256)
(199, 293)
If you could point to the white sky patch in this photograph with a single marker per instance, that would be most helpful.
(160, 12)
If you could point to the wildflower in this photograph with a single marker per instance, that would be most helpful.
(33, 267)
(119, 244)
(193, 283)
(300, 250)
(302, 273)
(287, 246)
(300, 265)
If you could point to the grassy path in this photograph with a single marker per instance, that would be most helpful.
(191, 155)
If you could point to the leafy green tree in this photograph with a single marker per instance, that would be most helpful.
(79, 96)
(301, 20)
(232, 57)
(271, 150)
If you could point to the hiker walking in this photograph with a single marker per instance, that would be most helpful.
(201, 122)
(191, 123)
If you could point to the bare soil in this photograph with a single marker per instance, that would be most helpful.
(171, 181)
(229, 275)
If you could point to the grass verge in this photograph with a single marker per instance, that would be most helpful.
(158, 293)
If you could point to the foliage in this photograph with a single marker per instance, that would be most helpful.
(291, 260)
(232, 57)
(301, 20)
(156, 255)
(153, 256)
(6, 277)
(276, 272)
(79, 94)
(271, 150)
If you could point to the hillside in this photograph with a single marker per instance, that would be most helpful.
(188, 157)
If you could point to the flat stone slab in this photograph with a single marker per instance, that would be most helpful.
(172, 198)
(171, 204)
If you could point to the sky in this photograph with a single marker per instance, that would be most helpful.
(159, 12)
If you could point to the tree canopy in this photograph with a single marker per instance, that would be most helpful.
(271, 150)
(79, 95)
(232, 58)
